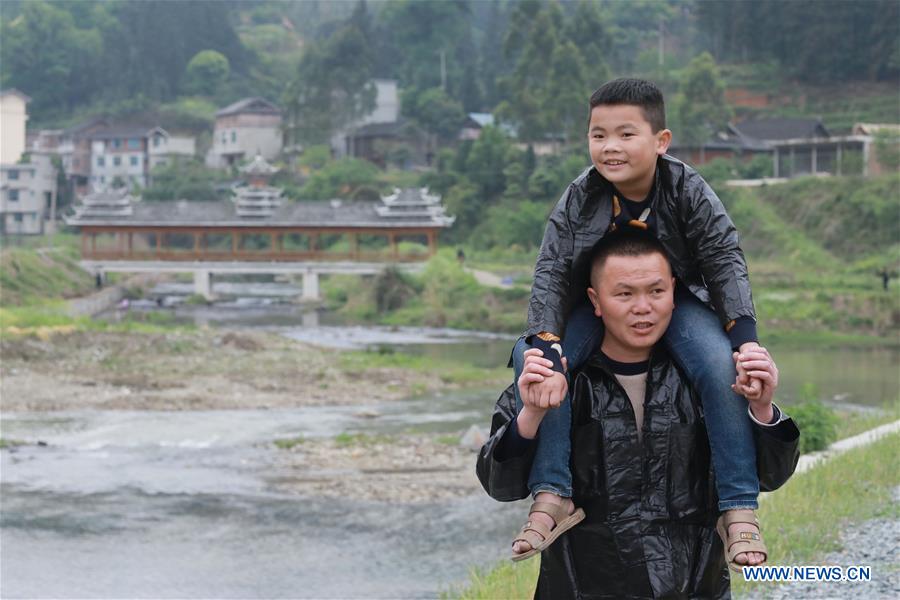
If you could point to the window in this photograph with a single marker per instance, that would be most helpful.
(134, 144)
(135, 161)
(18, 217)
(101, 162)
(102, 179)
(224, 138)
(233, 136)
(13, 195)
(117, 143)
(76, 162)
(117, 161)
(13, 174)
(156, 139)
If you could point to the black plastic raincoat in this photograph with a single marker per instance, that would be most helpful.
(691, 224)
(650, 506)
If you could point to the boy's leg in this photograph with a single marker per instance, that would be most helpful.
(699, 344)
(550, 480)
(550, 470)
(702, 349)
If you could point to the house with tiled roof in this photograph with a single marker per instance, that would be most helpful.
(247, 128)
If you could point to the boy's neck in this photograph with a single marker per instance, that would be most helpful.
(640, 192)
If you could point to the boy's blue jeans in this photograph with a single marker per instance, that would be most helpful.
(701, 348)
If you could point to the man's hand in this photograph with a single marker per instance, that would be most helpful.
(539, 385)
(751, 387)
(535, 383)
(758, 365)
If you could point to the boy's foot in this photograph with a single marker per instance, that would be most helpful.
(740, 533)
(550, 517)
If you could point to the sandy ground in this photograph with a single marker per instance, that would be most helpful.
(195, 370)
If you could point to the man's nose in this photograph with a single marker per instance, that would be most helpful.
(641, 304)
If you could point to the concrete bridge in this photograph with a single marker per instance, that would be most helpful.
(203, 271)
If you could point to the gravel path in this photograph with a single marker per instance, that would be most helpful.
(874, 543)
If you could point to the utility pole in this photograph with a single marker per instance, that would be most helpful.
(661, 43)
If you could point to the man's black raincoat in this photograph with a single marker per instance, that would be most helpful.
(691, 224)
(650, 506)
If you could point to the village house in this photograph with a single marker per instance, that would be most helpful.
(244, 129)
(28, 192)
(796, 145)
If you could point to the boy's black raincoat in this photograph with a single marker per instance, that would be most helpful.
(650, 505)
(691, 223)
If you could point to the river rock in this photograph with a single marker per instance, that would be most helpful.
(474, 438)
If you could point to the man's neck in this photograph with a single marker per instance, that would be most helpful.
(620, 353)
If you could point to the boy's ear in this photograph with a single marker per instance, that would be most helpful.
(595, 300)
(663, 139)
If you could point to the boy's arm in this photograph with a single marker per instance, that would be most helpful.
(552, 273)
(713, 240)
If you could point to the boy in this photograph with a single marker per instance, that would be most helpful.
(633, 184)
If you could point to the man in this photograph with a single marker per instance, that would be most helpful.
(640, 455)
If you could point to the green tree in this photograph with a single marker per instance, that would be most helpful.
(332, 88)
(434, 110)
(700, 106)
(207, 71)
(340, 179)
(50, 58)
(183, 180)
(486, 161)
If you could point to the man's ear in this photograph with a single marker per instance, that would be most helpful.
(663, 139)
(595, 300)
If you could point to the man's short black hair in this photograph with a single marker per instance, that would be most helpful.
(635, 92)
(625, 243)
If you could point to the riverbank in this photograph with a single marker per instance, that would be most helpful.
(210, 370)
(803, 522)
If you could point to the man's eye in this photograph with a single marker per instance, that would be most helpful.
(627, 135)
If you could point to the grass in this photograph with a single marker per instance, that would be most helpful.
(447, 371)
(288, 443)
(802, 521)
(8, 443)
(361, 439)
(50, 317)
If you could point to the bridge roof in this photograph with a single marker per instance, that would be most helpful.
(328, 214)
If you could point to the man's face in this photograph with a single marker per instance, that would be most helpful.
(634, 295)
(624, 148)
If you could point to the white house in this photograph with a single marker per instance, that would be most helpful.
(247, 128)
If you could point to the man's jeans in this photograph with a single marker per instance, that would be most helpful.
(699, 345)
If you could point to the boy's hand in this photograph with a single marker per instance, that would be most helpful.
(759, 366)
(540, 387)
(749, 387)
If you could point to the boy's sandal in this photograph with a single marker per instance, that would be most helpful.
(740, 541)
(536, 533)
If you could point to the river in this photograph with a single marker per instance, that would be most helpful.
(185, 505)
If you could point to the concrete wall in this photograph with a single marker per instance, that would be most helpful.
(13, 116)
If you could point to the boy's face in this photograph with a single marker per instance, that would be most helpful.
(635, 297)
(624, 148)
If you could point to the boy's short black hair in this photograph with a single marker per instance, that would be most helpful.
(625, 243)
(636, 92)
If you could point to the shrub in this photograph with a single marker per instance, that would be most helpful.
(817, 423)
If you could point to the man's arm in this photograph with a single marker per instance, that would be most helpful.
(504, 462)
(505, 477)
(777, 436)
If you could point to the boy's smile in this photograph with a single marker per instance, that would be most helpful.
(624, 148)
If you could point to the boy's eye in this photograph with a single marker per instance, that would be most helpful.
(627, 135)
